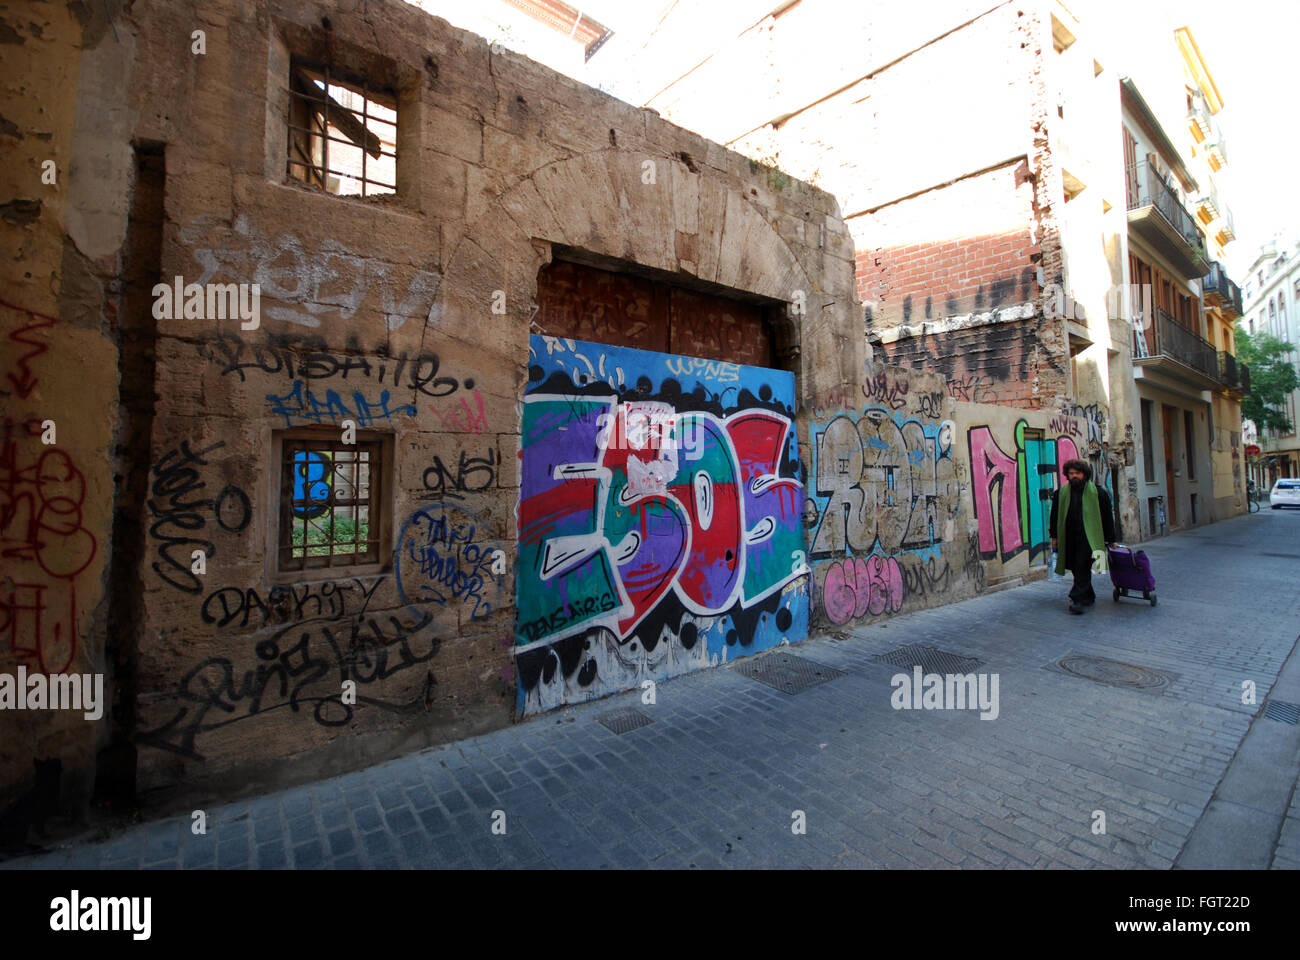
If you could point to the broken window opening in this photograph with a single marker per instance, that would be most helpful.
(342, 133)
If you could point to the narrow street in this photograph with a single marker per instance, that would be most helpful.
(1184, 772)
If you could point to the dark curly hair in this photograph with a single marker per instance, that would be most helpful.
(1080, 465)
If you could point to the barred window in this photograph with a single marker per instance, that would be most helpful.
(330, 503)
(342, 132)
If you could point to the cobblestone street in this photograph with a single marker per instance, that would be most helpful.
(716, 778)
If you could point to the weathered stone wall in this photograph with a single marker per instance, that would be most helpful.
(59, 316)
(413, 317)
(382, 312)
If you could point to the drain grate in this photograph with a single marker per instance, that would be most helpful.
(1282, 711)
(624, 719)
(928, 658)
(786, 672)
(1114, 673)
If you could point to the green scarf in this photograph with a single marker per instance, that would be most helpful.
(1091, 522)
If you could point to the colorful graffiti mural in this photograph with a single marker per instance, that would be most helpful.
(885, 486)
(1012, 492)
(879, 478)
(660, 518)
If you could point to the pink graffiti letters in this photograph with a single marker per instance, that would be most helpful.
(855, 587)
(1011, 492)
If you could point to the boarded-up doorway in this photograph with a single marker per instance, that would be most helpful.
(621, 309)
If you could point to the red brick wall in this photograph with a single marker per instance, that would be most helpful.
(976, 245)
(982, 254)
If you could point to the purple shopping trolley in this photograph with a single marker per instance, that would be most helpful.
(1131, 571)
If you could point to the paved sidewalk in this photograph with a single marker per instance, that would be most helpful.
(715, 780)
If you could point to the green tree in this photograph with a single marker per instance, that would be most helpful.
(1272, 377)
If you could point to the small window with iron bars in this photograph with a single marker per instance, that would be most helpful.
(342, 133)
(330, 503)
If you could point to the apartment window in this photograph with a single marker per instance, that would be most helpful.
(342, 132)
(1272, 318)
(1281, 318)
(1148, 452)
(1189, 442)
(331, 510)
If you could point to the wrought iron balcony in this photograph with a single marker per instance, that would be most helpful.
(1202, 125)
(1221, 292)
(1175, 350)
(1208, 205)
(1230, 371)
(1157, 215)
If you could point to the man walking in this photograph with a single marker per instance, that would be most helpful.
(1083, 523)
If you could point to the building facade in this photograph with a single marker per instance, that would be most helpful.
(369, 386)
(1272, 299)
(1033, 200)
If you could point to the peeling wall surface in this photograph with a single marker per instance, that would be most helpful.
(152, 540)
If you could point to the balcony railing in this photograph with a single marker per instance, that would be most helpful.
(1228, 375)
(1209, 203)
(1157, 214)
(1218, 289)
(1200, 117)
(1225, 229)
(1148, 189)
(1165, 338)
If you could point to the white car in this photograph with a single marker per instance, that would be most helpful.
(1286, 493)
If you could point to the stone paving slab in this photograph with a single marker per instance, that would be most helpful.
(730, 765)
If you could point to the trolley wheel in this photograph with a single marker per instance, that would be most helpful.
(1153, 598)
(1115, 594)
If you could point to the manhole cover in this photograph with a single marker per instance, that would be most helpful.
(624, 719)
(1114, 673)
(1283, 711)
(786, 672)
(930, 659)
